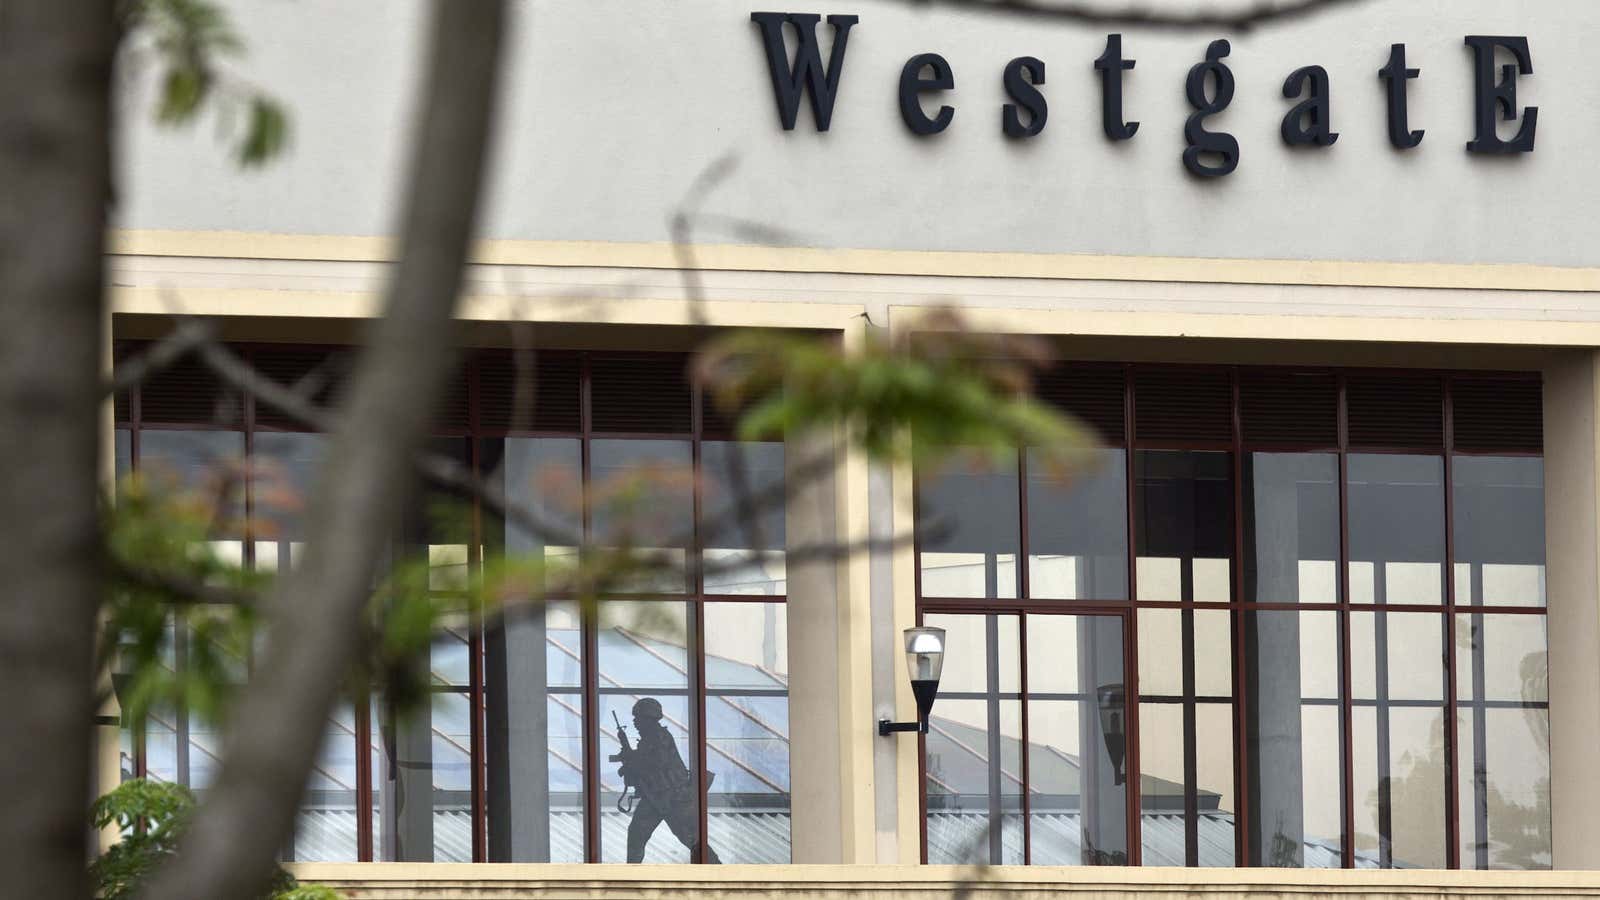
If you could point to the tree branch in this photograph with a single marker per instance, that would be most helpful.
(316, 611)
(1247, 16)
(55, 168)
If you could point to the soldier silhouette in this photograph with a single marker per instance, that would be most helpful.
(660, 782)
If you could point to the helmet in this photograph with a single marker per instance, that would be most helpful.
(648, 708)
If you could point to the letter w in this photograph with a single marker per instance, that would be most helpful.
(789, 83)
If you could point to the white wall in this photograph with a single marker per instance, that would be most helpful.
(616, 105)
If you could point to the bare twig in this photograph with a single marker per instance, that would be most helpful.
(185, 338)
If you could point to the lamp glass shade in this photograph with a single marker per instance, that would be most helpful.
(925, 653)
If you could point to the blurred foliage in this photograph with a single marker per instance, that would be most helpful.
(187, 39)
(160, 535)
(954, 392)
(151, 816)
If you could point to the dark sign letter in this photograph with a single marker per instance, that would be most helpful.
(788, 84)
(1194, 130)
(1310, 122)
(912, 83)
(1111, 66)
(1027, 96)
(1498, 88)
(1395, 75)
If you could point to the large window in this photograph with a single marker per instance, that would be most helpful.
(1288, 618)
(510, 757)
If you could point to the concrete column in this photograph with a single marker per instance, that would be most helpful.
(815, 766)
(1572, 528)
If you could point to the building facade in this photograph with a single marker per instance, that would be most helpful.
(1324, 292)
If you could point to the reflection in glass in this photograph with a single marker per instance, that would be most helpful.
(974, 741)
(1184, 525)
(644, 500)
(1186, 747)
(1077, 729)
(325, 827)
(650, 790)
(1499, 530)
(1397, 683)
(1078, 530)
(534, 736)
(283, 474)
(744, 552)
(1504, 751)
(969, 521)
(1396, 523)
(1291, 544)
(1293, 738)
(747, 731)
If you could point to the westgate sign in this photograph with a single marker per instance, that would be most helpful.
(1209, 87)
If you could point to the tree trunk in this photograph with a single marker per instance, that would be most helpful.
(316, 614)
(55, 88)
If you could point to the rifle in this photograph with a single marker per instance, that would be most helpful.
(623, 806)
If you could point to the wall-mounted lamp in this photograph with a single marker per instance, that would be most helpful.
(1113, 706)
(924, 660)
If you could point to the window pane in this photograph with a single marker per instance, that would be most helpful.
(544, 476)
(424, 794)
(1184, 525)
(1291, 542)
(283, 474)
(974, 760)
(1163, 824)
(1078, 530)
(1293, 738)
(325, 829)
(747, 731)
(1214, 806)
(1499, 530)
(1397, 677)
(969, 521)
(644, 500)
(644, 684)
(1077, 729)
(1504, 750)
(1396, 522)
(743, 517)
(1161, 652)
(534, 736)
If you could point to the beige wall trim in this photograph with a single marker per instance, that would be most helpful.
(455, 880)
(487, 308)
(1526, 332)
(250, 245)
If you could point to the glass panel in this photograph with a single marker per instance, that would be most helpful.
(1213, 653)
(1504, 750)
(544, 476)
(969, 526)
(1184, 525)
(1291, 526)
(644, 500)
(1078, 530)
(1293, 738)
(283, 474)
(1214, 806)
(1161, 652)
(747, 731)
(1163, 825)
(743, 512)
(644, 684)
(974, 758)
(1396, 522)
(325, 828)
(1077, 741)
(1499, 530)
(1397, 676)
(534, 736)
